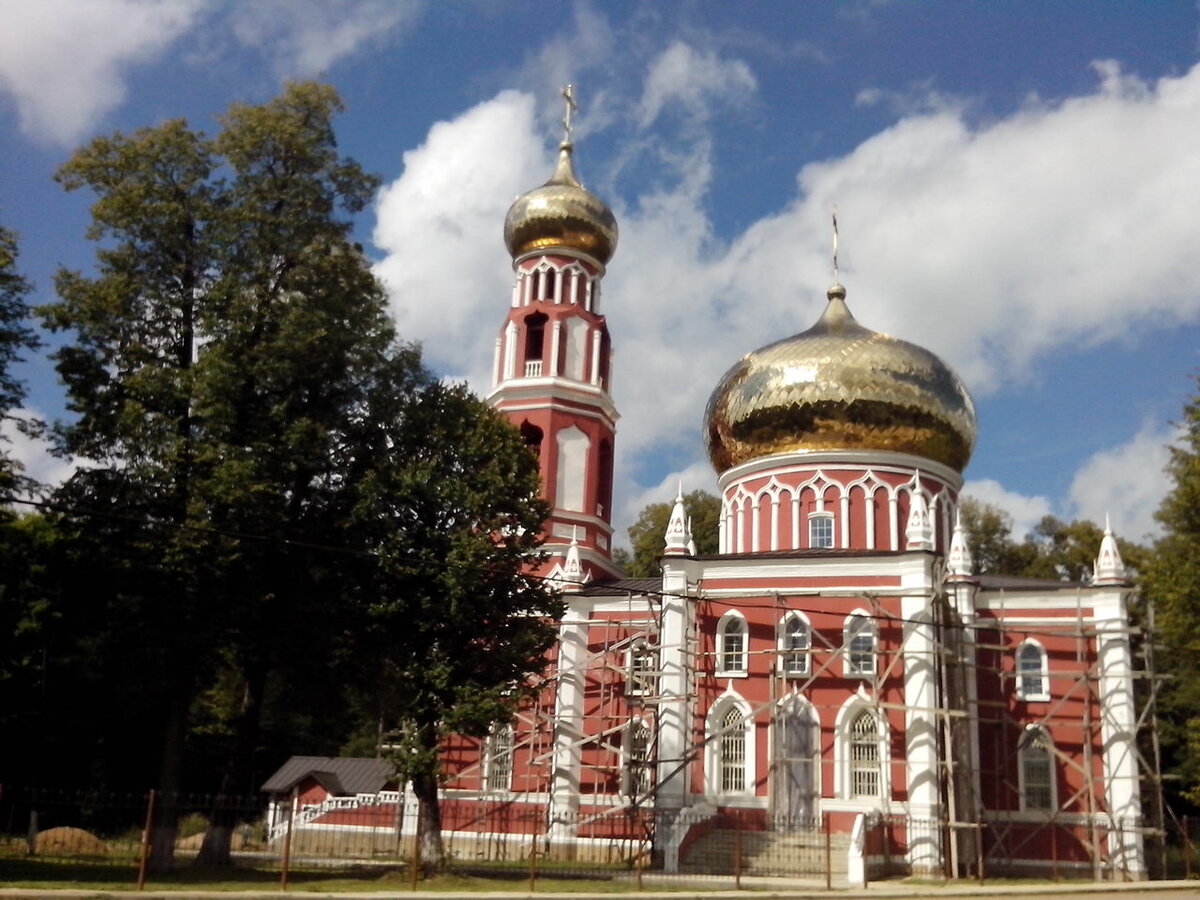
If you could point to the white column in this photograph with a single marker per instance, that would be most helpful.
(526, 287)
(869, 514)
(674, 736)
(568, 723)
(845, 520)
(555, 340)
(1119, 734)
(596, 336)
(496, 370)
(893, 520)
(510, 350)
(921, 733)
(558, 286)
(795, 520)
(774, 523)
(755, 526)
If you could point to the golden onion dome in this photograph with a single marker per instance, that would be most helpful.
(562, 213)
(840, 386)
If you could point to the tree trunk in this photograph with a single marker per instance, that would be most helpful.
(170, 780)
(433, 854)
(218, 839)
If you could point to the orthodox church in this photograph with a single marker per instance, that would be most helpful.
(836, 667)
(837, 661)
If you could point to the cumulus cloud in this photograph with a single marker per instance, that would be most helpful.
(696, 81)
(1126, 483)
(31, 453)
(696, 477)
(1026, 511)
(996, 245)
(305, 37)
(63, 62)
(437, 221)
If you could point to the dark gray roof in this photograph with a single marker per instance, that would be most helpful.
(610, 586)
(1020, 583)
(339, 775)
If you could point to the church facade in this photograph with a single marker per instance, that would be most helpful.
(836, 665)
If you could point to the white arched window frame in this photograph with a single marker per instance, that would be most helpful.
(859, 644)
(795, 646)
(1035, 771)
(733, 644)
(863, 760)
(729, 769)
(1033, 672)
(820, 531)
(498, 759)
(636, 768)
(643, 662)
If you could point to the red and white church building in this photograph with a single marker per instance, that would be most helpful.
(836, 665)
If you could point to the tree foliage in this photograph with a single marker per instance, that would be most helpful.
(648, 534)
(276, 498)
(15, 338)
(1172, 582)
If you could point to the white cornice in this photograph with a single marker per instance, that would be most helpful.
(532, 393)
(799, 461)
(560, 251)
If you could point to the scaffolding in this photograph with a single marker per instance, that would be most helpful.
(620, 673)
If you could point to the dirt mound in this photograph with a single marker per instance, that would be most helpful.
(69, 842)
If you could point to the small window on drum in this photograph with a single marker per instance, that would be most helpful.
(820, 531)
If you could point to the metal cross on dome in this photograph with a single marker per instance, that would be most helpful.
(569, 96)
(835, 246)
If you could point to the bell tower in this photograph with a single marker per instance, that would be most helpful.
(552, 370)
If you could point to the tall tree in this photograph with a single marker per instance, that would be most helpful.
(1172, 581)
(648, 534)
(15, 338)
(219, 360)
(452, 631)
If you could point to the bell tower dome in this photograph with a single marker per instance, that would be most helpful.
(552, 368)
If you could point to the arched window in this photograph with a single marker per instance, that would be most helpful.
(733, 751)
(535, 340)
(731, 645)
(635, 774)
(796, 763)
(795, 642)
(1036, 759)
(498, 759)
(820, 531)
(643, 670)
(858, 640)
(1032, 675)
(864, 758)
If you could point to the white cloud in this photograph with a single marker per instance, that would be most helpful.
(63, 61)
(305, 38)
(995, 245)
(1126, 483)
(33, 454)
(441, 224)
(1026, 511)
(695, 81)
(631, 498)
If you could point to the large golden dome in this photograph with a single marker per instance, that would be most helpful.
(840, 386)
(561, 213)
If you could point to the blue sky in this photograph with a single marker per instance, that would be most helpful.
(1016, 187)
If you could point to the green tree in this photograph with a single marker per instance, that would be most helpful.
(989, 538)
(15, 338)
(1172, 582)
(453, 633)
(648, 534)
(219, 361)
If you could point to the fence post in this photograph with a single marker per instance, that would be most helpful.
(533, 864)
(979, 855)
(828, 852)
(287, 839)
(416, 854)
(144, 859)
(1187, 847)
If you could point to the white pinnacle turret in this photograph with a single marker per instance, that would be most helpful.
(1110, 570)
(959, 564)
(918, 533)
(679, 529)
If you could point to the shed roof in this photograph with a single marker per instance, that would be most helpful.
(337, 774)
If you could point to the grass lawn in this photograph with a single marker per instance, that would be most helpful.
(75, 875)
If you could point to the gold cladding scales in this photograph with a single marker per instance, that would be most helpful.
(840, 386)
(561, 213)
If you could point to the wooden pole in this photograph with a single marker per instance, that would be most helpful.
(737, 857)
(144, 856)
(287, 839)
(829, 854)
